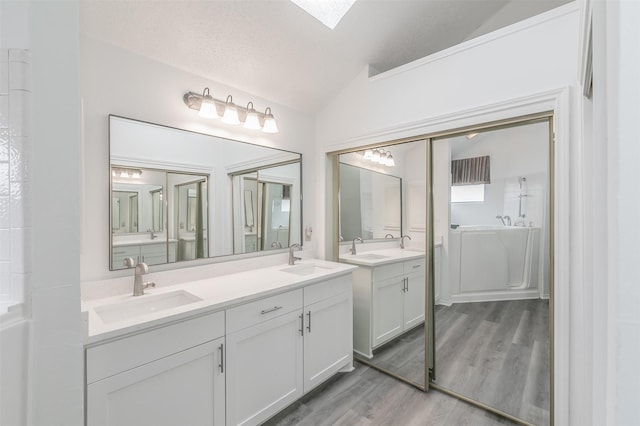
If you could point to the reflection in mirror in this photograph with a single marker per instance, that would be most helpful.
(493, 273)
(263, 206)
(135, 201)
(389, 284)
(370, 203)
(208, 199)
(191, 205)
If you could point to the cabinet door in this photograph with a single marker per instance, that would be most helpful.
(388, 300)
(120, 253)
(264, 369)
(414, 300)
(328, 338)
(154, 254)
(187, 388)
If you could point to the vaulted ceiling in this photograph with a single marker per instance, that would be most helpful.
(275, 50)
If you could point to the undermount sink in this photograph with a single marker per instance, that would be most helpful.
(144, 305)
(305, 269)
(370, 256)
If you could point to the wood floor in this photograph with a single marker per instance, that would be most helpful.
(497, 353)
(494, 352)
(368, 397)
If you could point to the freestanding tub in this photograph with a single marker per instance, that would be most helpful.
(494, 263)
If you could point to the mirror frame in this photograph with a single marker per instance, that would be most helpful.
(210, 259)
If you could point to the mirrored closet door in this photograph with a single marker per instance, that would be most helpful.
(492, 222)
(382, 229)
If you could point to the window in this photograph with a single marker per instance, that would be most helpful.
(467, 193)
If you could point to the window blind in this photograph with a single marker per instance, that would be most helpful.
(471, 171)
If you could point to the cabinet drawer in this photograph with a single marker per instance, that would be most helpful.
(316, 292)
(123, 354)
(387, 271)
(154, 249)
(415, 265)
(262, 310)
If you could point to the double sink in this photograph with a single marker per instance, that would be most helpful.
(152, 303)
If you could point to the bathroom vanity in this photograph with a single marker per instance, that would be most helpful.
(388, 294)
(234, 349)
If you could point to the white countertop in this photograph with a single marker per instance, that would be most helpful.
(141, 242)
(391, 255)
(217, 293)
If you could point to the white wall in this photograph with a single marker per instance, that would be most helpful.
(44, 353)
(610, 125)
(115, 81)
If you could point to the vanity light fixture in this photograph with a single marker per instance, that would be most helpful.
(379, 156)
(252, 121)
(208, 107)
(126, 173)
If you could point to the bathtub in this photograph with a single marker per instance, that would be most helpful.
(493, 263)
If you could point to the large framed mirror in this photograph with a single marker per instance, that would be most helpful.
(178, 195)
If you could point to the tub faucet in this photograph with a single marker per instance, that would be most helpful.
(292, 258)
(402, 240)
(140, 270)
(352, 250)
(502, 218)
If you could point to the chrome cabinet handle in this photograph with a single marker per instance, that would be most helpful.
(301, 330)
(309, 322)
(416, 266)
(221, 365)
(275, 308)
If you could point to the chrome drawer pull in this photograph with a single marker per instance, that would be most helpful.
(275, 308)
(221, 365)
(301, 330)
(416, 266)
(309, 322)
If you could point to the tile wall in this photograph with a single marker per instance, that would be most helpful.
(15, 175)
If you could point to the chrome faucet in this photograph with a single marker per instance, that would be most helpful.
(352, 250)
(141, 269)
(508, 220)
(402, 240)
(153, 234)
(389, 236)
(292, 258)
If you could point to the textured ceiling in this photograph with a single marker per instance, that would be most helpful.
(275, 50)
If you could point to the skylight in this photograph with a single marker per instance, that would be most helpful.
(329, 12)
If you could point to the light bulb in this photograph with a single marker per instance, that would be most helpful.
(251, 121)
(208, 106)
(270, 125)
(230, 112)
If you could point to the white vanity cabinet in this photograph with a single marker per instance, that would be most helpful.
(388, 300)
(328, 330)
(167, 376)
(281, 347)
(238, 365)
(150, 253)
